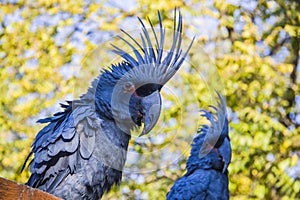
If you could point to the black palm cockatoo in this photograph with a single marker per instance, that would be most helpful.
(207, 175)
(80, 154)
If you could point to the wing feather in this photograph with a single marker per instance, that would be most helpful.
(87, 139)
(58, 147)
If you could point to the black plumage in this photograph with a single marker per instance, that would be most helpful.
(80, 154)
(207, 174)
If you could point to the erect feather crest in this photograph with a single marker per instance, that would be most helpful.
(149, 64)
(218, 124)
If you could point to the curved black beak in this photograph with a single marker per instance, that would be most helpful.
(151, 107)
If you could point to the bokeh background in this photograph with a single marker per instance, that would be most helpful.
(51, 49)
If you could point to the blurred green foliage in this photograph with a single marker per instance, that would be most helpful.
(253, 45)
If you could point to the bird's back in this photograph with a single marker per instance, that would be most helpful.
(207, 174)
(76, 156)
(208, 184)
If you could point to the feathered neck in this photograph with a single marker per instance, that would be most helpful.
(210, 161)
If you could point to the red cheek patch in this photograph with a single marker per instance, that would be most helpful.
(129, 90)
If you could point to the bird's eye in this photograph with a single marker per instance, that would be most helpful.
(128, 87)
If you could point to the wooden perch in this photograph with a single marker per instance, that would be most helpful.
(15, 191)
